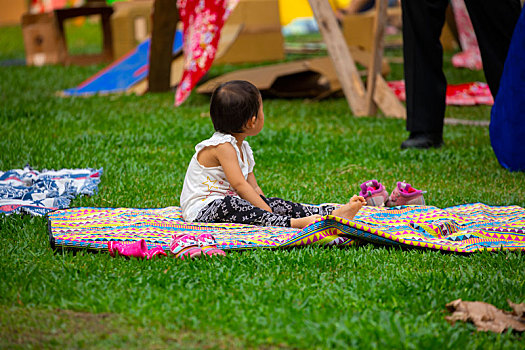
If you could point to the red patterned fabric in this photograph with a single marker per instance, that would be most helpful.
(202, 23)
(468, 94)
(470, 57)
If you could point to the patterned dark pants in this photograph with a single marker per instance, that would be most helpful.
(238, 210)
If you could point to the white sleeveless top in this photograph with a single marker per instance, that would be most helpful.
(203, 185)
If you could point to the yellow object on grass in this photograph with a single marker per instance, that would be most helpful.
(290, 9)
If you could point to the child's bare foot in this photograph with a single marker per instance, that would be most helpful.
(350, 209)
(303, 222)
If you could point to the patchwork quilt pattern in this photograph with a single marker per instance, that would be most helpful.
(463, 229)
(39, 192)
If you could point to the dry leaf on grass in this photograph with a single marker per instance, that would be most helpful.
(486, 316)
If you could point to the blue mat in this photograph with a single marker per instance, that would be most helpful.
(123, 73)
(37, 193)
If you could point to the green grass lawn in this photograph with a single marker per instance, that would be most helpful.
(360, 297)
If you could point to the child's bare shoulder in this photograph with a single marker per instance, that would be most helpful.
(209, 155)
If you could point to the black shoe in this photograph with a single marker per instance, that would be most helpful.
(423, 140)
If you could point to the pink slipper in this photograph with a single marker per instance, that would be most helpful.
(137, 249)
(208, 244)
(185, 246)
(157, 251)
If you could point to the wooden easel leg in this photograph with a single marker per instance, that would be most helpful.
(165, 18)
(377, 54)
(351, 83)
(378, 94)
(386, 100)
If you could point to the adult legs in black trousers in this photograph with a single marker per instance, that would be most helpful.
(426, 84)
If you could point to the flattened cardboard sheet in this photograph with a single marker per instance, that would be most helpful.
(313, 78)
(307, 78)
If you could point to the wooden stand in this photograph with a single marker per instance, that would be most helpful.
(362, 102)
(96, 9)
(349, 77)
(165, 18)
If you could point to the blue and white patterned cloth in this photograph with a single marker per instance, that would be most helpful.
(37, 193)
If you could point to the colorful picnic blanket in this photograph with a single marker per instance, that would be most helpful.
(463, 229)
(37, 193)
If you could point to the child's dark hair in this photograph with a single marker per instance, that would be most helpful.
(232, 104)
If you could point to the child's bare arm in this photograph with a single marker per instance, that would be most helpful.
(228, 160)
(253, 182)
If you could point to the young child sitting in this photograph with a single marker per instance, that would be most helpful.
(220, 185)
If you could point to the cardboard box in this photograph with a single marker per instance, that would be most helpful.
(42, 40)
(254, 47)
(358, 30)
(314, 78)
(256, 14)
(260, 38)
(131, 23)
(12, 11)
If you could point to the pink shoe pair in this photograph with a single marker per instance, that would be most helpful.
(404, 194)
(137, 249)
(189, 246)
